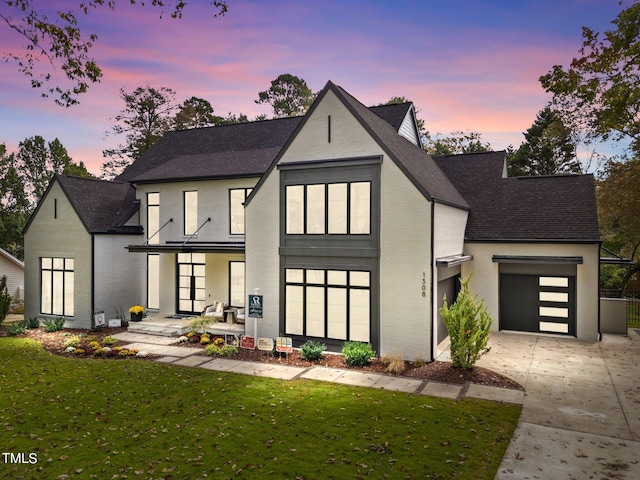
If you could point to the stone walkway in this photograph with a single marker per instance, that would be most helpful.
(158, 345)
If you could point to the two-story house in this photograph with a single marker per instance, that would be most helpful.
(344, 225)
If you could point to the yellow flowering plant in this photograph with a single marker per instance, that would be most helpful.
(136, 309)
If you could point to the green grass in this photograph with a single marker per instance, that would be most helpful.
(89, 418)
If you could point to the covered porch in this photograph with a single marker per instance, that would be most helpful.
(175, 327)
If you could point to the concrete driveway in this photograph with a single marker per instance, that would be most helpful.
(581, 412)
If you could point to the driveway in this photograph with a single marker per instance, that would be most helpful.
(581, 412)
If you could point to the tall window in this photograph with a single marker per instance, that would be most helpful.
(57, 286)
(335, 208)
(334, 304)
(153, 217)
(237, 197)
(153, 280)
(236, 284)
(190, 212)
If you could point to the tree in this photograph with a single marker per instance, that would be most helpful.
(63, 44)
(195, 113)
(145, 118)
(599, 93)
(5, 299)
(288, 95)
(548, 148)
(618, 206)
(468, 325)
(456, 143)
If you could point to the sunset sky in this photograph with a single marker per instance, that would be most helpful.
(467, 65)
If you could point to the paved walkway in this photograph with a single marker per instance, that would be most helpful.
(158, 345)
(581, 409)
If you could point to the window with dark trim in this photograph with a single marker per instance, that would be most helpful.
(190, 212)
(57, 286)
(328, 208)
(332, 304)
(237, 198)
(236, 284)
(153, 217)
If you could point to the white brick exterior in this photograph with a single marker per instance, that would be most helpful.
(64, 236)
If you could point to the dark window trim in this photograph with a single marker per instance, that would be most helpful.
(64, 271)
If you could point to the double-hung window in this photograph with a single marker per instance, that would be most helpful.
(328, 208)
(57, 286)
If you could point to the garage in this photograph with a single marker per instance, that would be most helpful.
(538, 297)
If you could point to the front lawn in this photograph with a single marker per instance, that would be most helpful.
(85, 418)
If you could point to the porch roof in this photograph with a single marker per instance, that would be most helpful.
(189, 247)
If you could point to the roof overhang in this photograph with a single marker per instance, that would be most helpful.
(208, 247)
(452, 260)
(616, 261)
(537, 259)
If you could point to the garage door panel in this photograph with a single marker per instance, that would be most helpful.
(536, 303)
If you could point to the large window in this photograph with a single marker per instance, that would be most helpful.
(57, 286)
(334, 208)
(191, 282)
(236, 284)
(237, 197)
(190, 212)
(153, 280)
(153, 217)
(333, 304)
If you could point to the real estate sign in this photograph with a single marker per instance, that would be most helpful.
(255, 306)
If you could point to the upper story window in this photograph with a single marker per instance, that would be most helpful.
(153, 217)
(237, 198)
(328, 208)
(190, 212)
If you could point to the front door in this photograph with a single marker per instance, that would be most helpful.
(191, 282)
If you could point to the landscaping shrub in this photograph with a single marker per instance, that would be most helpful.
(109, 340)
(468, 325)
(5, 299)
(53, 324)
(395, 364)
(16, 328)
(224, 351)
(357, 354)
(33, 322)
(73, 341)
(311, 351)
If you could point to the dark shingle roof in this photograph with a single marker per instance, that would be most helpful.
(393, 114)
(415, 163)
(549, 208)
(242, 148)
(102, 206)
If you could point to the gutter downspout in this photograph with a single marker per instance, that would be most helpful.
(431, 263)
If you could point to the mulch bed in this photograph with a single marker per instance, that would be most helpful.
(434, 371)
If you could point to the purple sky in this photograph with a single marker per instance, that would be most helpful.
(466, 64)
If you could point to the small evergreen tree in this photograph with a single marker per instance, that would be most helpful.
(5, 299)
(468, 325)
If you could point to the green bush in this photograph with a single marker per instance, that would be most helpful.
(33, 322)
(223, 351)
(17, 328)
(53, 324)
(357, 354)
(311, 351)
(5, 298)
(468, 325)
(109, 341)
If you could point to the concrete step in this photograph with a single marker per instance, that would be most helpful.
(163, 330)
